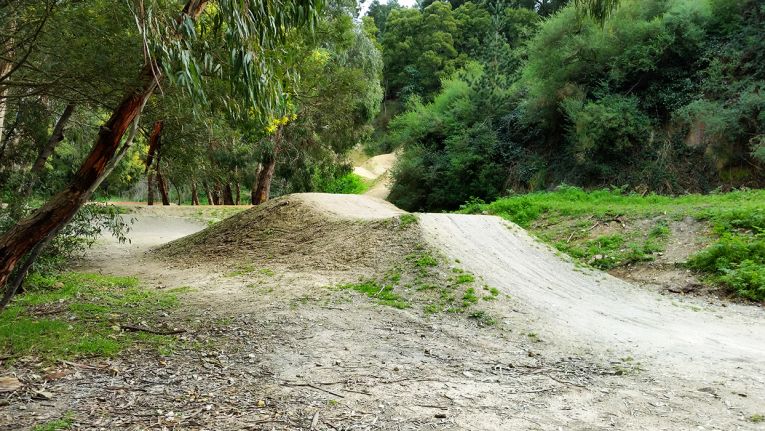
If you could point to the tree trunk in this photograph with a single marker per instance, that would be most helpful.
(31, 233)
(162, 185)
(194, 194)
(44, 153)
(5, 68)
(54, 214)
(238, 193)
(228, 195)
(55, 138)
(254, 189)
(210, 199)
(218, 193)
(150, 188)
(266, 174)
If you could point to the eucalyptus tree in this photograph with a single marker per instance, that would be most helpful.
(250, 30)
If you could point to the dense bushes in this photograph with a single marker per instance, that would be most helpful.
(665, 96)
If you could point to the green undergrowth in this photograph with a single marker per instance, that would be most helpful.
(574, 221)
(426, 280)
(78, 315)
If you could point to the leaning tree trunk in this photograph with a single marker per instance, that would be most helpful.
(54, 214)
(44, 153)
(33, 232)
(210, 199)
(55, 138)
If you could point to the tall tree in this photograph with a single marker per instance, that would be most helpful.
(251, 29)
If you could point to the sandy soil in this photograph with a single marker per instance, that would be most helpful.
(572, 350)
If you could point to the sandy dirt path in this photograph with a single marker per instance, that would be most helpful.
(592, 310)
(278, 350)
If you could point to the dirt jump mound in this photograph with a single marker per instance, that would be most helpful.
(301, 231)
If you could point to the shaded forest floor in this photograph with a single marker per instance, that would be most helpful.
(383, 333)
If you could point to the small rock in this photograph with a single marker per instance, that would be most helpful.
(260, 403)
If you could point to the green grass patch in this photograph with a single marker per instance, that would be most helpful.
(736, 260)
(572, 201)
(383, 293)
(349, 183)
(64, 423)
(407, 219)
(75, 315)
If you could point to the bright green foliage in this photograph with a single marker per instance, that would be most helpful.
(347, 184)
(75, 315)
(384, 294)
(737, 259)
(661, 96)
(56, 425)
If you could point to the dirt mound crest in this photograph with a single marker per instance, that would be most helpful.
(303, 231)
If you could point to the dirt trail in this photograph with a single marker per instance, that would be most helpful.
(591, 309)
(272, 348)
(377, 169)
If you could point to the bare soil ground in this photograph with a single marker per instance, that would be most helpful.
(270, 346)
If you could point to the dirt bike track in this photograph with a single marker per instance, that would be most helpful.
(574, 349)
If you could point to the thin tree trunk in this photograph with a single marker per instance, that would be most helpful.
(150, 188)
(44, 153)
(162, 185)
(194, 194)
(266, 174)
(254, 189)
(238, 193)
(218, 193)
(5, 68)
(55, 138)
(210, 199)
(228, 195)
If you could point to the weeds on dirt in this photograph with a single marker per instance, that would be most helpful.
(757, 418)
(737, 259)
(75, 315)
(383, 293)
(64, 423)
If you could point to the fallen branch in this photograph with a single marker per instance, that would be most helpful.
(309, 385)
(133, 328)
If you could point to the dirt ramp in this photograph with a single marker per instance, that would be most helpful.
(302, 231)
(593, 309)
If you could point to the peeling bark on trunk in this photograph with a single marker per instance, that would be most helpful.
(54, 214)
(59, 209)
